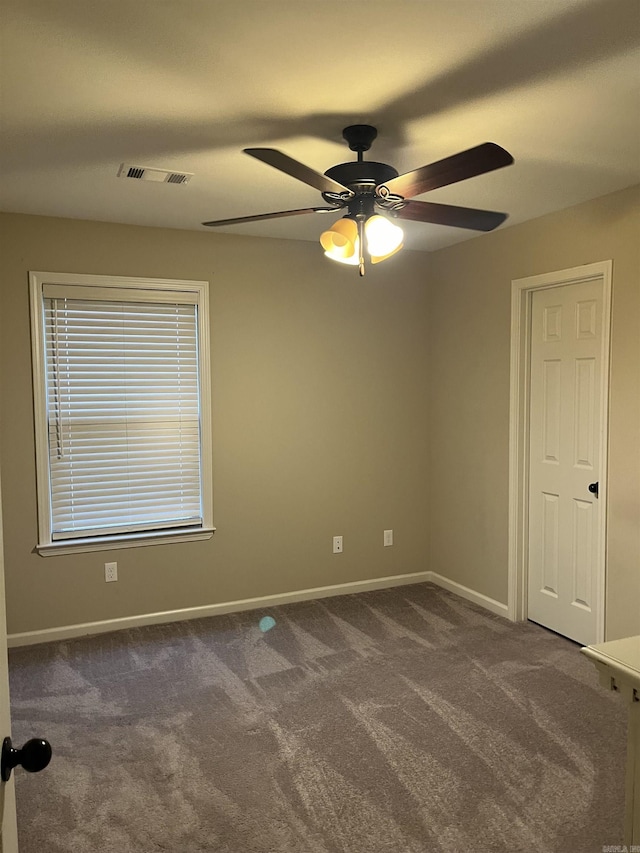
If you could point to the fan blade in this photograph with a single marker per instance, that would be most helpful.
(238, 219)
(298, 170)
(467, 164)
(447, 214)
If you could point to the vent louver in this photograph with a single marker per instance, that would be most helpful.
(159, 176)
(176, 178)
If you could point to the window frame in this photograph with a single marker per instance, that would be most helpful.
(46, 544)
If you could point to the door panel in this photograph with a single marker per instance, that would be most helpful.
(565, 393)
(552, 369)
(549, 544)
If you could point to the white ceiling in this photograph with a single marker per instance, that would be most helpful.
(186, 84)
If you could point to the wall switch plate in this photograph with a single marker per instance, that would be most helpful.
(110, 572)
(337, 544)
(388, 537)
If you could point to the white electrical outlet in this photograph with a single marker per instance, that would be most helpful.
(110, 572)
(337, 544)
(388, 537)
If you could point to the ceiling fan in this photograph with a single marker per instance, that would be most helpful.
(367, 188)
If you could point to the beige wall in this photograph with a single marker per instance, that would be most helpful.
(469, 339)
(340, 406)
(319, 418)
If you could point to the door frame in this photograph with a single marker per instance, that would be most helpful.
(8, 823)
(522, 290)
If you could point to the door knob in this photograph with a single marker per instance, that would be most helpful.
(33, 757)
(593, 488)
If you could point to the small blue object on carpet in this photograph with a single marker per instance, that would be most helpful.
(266, 623)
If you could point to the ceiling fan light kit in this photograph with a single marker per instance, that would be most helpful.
(341, 242)
(367, 188)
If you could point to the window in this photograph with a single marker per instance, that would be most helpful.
(123, 426)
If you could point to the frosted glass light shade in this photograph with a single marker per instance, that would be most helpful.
(339, 241)
(383, 237)
(375, 259)
(353, 259)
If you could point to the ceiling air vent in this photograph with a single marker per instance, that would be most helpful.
(160, 176)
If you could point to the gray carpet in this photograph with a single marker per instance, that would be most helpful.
(397, 721)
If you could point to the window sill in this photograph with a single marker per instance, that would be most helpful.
(130, 540)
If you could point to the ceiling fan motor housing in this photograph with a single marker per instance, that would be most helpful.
(362, 177)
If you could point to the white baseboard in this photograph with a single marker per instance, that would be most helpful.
(68, 632)
(470, 594)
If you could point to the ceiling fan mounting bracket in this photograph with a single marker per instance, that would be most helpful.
(359, 136)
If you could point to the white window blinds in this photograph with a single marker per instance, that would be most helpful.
(123, 412)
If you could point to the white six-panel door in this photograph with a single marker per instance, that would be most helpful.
(564, 459)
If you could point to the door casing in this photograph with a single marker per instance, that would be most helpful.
(521, 298)
(8, 826)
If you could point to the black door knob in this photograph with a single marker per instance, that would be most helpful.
(33, 757)
(593, 488)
